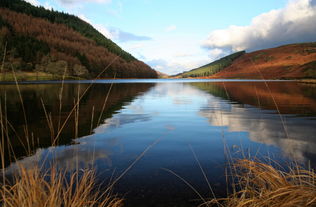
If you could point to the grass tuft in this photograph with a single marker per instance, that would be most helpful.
(262, 185)
(33, 188)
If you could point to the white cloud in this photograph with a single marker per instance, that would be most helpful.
(165, 66)
(216, 53)
(172, 67)
(171, 28)
(294, 23)
(33, 2)
(183, 54)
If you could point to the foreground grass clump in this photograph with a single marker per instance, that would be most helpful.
(35, 189)
(262, 185)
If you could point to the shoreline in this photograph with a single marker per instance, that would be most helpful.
(33, 77)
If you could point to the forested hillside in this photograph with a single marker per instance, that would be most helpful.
(36, 39)
(213, 67)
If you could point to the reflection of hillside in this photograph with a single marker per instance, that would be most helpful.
(92, 103)
(87, 150)
(267, 129)
(263, 126)
(290, 97)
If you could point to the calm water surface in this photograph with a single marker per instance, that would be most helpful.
(175, 118)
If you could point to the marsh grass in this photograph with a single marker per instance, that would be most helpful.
(263, 185)
(34, 188)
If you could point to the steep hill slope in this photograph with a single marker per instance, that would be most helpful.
(36, 39)
(211, 68)
(284, 62)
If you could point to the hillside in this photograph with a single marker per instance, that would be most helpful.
(40, 40)
(162, 75)
(294, 61)
(284, 62)
(211, 68)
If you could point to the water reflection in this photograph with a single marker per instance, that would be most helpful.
(290, 130)
(49, 105)
(83, 154)
(286, 97)
(180, 115)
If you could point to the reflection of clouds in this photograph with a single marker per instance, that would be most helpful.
(174, 90)
(136, 108)
(65, 157)
(86, 152)
(121, 119)
(182, 101)
(265, 127)
(180, 93)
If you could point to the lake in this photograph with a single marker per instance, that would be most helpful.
(166, 124)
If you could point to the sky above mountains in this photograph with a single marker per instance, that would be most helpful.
(175, 36)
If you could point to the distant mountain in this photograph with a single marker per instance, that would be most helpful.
(292, 61)
(37, 39)
(162, 75)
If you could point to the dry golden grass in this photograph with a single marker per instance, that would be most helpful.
(308, 81)
(32, 188)
(262, 185)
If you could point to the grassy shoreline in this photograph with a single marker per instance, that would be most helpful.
(42, 76)
(309, 81)
(33, 76)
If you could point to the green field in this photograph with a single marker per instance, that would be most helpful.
(213, 67)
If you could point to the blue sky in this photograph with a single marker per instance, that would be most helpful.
(178, 35)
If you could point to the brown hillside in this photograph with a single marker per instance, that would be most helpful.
(68, 45)
(290, 61)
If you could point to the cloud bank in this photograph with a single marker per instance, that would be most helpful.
(292, 24)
